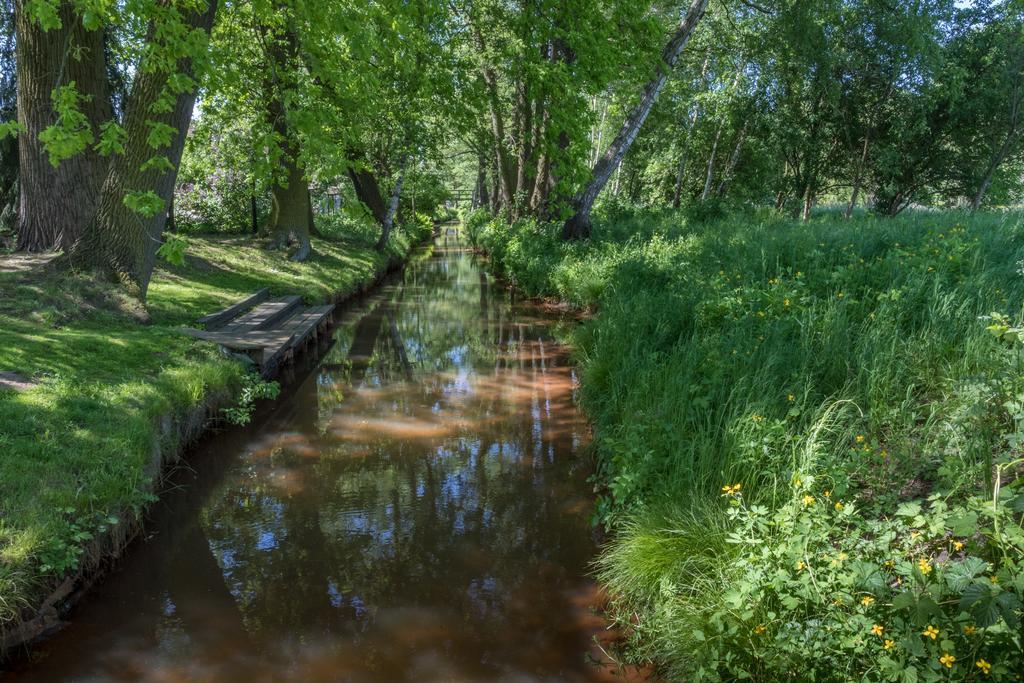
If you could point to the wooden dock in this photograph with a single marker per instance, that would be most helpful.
(268, 331)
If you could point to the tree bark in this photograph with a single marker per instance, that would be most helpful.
(858, 177)
(56, 202)
(367, 188)
(118, 240)
(578, 226)
(677, 197)
(710, 173)
(1004, 150)
(294, 216)
(291, 220)
(808, 203)
(506, 174)
(710, 176)
(396, 194)
(480, 189)
(734, 160)
(254, 217)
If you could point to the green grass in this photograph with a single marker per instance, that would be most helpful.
(73, 450)
(752, 349)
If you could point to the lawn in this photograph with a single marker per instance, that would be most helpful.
(104, 372)
(808, 436)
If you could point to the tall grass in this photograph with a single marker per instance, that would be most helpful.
(719, 348)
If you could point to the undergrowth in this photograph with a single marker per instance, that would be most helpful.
(748, 375)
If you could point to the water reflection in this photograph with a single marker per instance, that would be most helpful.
(415, 510)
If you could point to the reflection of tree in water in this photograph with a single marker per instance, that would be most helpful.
(438, 476)
(414, 512)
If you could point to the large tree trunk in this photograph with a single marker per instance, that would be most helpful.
(367, 188)
(506, 173)
(291, 219)
(118, 240)
(56, 202)
(396, 194)
(578, 226)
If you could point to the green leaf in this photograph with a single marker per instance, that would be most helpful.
(112, 139)
(909, 509)
(11, 128)
(979, 602)
(146, 203)
(44, 13)
(964, 525)
(160, 134)
(959, 575)
(904, 600)
(173, 250)
(159, 163)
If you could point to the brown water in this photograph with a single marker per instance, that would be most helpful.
(415, 509)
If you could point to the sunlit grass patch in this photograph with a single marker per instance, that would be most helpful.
(74, 450)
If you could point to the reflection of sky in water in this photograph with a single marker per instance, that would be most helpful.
(416, 511)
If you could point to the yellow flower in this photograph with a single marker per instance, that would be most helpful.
(914, 534)
(993, 579)
(860, 438)
(808, 499)
(785, 302)
(791, 398)
(827, 494)
(759, 629)
(839, 506)
(957, 545)
(984, 666)
(947, 659)
(842, 557)
(970, 630)
(889, 644)
(877, 630)
(925, 566)
(800, 566)
(867, 600)
(930, 632)
(839, 295)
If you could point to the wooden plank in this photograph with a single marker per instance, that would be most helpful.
(264, 316)
(303, 324)
(251, 340)
(224, 316)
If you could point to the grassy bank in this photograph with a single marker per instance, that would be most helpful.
(104, 373)
(809, 437)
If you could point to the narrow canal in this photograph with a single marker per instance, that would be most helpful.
(415, 509)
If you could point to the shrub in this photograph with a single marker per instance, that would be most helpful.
(713, 355)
